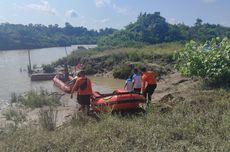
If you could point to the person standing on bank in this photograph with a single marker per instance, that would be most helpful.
(83, 86)
(136, 82)
(149, 84)
(128, 84)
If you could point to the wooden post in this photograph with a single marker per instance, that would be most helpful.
(29, 66)
(66, 55)
(66, 51)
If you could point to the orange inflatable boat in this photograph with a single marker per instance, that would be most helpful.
(118, 100)
(65, 86)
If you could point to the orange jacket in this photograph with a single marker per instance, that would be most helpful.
(87, 91)
(148, 77)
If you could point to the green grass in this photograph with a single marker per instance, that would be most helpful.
(35, 99)
(145, 50)
(200, 123)
(15, 115)
(102, 61)
(163, 48)
(48, 118)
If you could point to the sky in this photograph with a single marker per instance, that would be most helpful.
(97, 14)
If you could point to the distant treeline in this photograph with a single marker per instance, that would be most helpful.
(148, 29)
(153, 28)
(18, 36)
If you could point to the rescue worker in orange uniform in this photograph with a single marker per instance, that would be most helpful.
(149, 84)
(83, 86)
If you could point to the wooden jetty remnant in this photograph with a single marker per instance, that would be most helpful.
(42, 76)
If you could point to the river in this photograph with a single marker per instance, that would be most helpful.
(14, 77)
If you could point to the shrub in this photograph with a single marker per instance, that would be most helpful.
(89, 69)
(48, 68)
(15, 115)
(48, 118)
(134, 56)
(210, 61)
(35, 99)
(122, 71)
(14, 98)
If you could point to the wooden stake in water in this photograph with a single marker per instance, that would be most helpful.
(29, 66)
(66, 51)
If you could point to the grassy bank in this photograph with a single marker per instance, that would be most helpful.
(199, 122)
(30, 107)
(190, 119)
(122, 60)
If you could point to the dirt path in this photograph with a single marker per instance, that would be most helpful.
(171, 84)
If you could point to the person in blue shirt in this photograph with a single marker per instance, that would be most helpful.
(136, 81)
(128, 84)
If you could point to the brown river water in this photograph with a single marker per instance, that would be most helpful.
(14, 77)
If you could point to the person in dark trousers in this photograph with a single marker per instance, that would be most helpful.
(136, 81)
(83, 86)
(149, 84)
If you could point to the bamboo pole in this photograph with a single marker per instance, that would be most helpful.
(29, 66)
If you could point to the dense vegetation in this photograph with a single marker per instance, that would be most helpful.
(210, 61)
(153, 28)
(17, 36)
(149, 28)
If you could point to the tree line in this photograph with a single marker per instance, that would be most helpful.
(18, 36)
(148, 29)
(153, 28)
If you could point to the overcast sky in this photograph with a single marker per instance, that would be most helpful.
(96, 14)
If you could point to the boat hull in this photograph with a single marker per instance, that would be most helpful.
(64, 86)
(118, 100)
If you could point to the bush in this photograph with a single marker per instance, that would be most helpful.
(15, 115)
(48, 118)
(48, 68)
(14, 98)
(122, 71)
(35, 99)
(134, 56)
(210, 61)
(89, 69)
